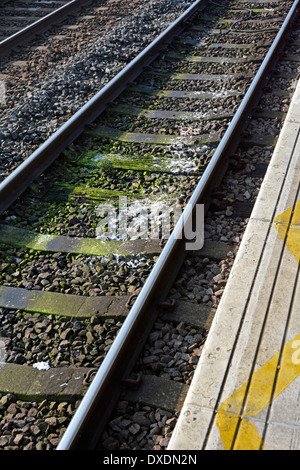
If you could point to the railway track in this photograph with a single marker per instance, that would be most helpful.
(44, 82)
(21, 21)
(68, 277)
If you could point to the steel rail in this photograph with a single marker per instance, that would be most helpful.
(38, 26)
(19, 180)
(88, 422)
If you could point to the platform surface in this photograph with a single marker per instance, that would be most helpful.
(245, 393)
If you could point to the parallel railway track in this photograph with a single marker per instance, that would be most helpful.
(21, 21)
(130, 149)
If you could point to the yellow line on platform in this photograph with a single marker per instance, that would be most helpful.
(236, 430)
(283, 222)
(259, 396)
